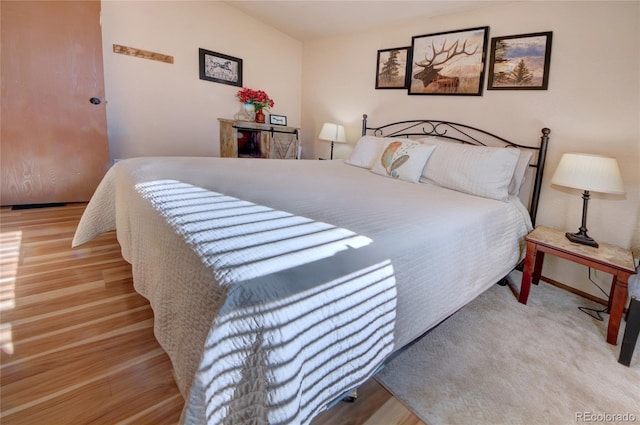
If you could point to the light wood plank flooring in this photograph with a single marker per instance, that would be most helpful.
(77, 344)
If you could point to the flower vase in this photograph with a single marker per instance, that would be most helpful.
(260, 116)
(246, 113)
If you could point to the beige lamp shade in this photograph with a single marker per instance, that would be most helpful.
(332, 133)
(589, 172)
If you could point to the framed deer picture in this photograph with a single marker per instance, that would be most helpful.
(449, 63)
(520, 62)
(220, 68)
(392, 69)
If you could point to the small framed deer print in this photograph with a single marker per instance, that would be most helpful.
(449, 63)
(520, 62)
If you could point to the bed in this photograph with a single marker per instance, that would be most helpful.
(279, 285)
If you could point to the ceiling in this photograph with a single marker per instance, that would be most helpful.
(307, 20)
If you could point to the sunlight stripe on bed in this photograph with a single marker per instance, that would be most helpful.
(231, 235)
(309, 310)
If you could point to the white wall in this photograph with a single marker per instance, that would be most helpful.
(155, 108)
(592, 104)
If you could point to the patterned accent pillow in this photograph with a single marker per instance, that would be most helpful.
(402, 160)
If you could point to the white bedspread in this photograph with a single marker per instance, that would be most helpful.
(277, 285)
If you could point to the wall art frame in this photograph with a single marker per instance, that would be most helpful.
(520, 62)
(277, 119)
(220, 68)
(449, 63)
(393, 68)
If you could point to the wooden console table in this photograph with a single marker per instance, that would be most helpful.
(607, 258)
(246, 139)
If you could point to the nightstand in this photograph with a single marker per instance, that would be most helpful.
(607, 258)
(632, 330)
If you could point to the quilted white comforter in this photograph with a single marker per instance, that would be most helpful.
(278, 285)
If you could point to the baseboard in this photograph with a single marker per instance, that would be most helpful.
(30, 206)
(574, 290)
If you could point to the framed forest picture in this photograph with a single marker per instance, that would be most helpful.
(392, 69)
(520, 62)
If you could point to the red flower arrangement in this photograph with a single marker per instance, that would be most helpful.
(258, 98)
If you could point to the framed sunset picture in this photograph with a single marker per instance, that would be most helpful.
(520, 62)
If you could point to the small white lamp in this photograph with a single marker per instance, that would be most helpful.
(332, 133)
(588, 173)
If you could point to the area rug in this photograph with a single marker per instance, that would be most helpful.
(497, 361)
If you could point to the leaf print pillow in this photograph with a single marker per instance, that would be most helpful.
(402, 160)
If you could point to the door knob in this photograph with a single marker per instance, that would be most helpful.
(94, 100)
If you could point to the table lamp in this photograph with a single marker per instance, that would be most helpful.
(588, 173)
(332, 133)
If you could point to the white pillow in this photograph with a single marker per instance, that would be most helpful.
(366, 151)
(477, 170)
(430, 140)
(519, 174)
(520, 171)
(403, 159)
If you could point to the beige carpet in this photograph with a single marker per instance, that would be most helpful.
(499, 362)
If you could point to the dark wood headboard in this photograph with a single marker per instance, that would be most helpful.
(463, 133)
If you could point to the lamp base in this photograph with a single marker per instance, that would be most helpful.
(581, 238)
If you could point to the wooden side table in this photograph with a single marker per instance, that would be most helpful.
(256, 140)
(607, 258)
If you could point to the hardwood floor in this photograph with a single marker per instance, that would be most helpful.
(77, 343)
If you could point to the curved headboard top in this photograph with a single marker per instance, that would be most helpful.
(464, 133)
